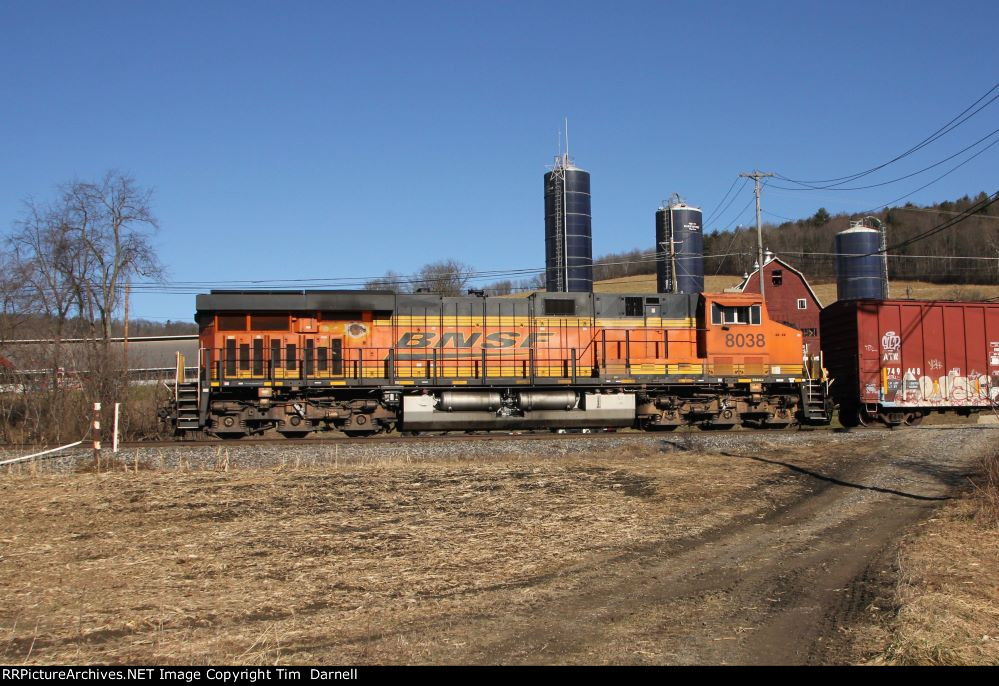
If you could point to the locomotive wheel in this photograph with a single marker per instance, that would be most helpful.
(358, 434)
(230, 436)
(914, 419)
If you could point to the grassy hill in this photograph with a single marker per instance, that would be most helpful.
(826, 291)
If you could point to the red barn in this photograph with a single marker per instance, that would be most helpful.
(790, 300)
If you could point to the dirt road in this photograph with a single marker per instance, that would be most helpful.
(769, 548)
(789, 587)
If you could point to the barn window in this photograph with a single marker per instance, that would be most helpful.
(777, 277)
(802, 304)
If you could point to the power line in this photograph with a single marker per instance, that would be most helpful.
(900, 178)
(942, 131)
(739, 216)
(722, 201)
(980, 205)
(927, 185)
(721, 213)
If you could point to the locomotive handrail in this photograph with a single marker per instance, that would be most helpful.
(641, 355)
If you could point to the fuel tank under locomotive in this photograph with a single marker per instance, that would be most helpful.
(471, 410)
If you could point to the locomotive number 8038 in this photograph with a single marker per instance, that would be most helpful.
(365, 362)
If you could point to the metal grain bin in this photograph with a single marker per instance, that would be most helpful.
(859, 264)
(679, 225)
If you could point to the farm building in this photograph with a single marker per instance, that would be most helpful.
(790, 299)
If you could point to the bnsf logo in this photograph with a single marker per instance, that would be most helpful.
(456, 339)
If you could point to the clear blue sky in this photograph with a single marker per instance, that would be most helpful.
(320, 140)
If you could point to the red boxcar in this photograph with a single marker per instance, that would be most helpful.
(896, 360)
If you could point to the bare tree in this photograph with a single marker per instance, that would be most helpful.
(391, 281)
(504, 287)
(448, 277)
(112, 222)
(67, 265)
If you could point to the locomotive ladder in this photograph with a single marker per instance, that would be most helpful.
(186, 394)
(813, 396)
(813, 393)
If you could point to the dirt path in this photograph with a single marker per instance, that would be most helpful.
(789, 588)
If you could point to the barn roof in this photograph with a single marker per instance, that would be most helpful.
(768, 258)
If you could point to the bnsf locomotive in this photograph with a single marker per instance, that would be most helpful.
(364, 362)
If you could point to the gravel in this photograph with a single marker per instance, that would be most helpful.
(310, 453)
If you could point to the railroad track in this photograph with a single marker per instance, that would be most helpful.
(480, 437)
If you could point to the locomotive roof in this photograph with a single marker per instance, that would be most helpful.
(387, 302)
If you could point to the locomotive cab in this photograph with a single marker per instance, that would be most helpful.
(738, 337)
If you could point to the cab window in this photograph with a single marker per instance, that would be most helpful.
(735, 314)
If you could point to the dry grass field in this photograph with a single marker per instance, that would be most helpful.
(347, 564)
(751, 547)
(948, 593)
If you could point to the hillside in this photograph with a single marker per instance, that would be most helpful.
(825, 290)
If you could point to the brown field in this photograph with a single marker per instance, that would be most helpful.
(763, 549)
(333, 565)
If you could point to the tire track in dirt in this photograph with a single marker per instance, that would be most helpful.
(783, 590)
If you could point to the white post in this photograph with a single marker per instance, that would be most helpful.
(96, 436)
(114, 440)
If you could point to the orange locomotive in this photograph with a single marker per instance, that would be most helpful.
(366, 361)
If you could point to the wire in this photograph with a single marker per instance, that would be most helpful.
(954, 221)
(942, 131)
(927, 185)
(900, 178)
(739, 216)
(737, 194)
(779, 216)
(720, 202)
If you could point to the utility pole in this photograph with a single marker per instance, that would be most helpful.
(128, 289)
(756, 176)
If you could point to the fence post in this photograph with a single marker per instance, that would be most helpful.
(114, 439)
(96, 435)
